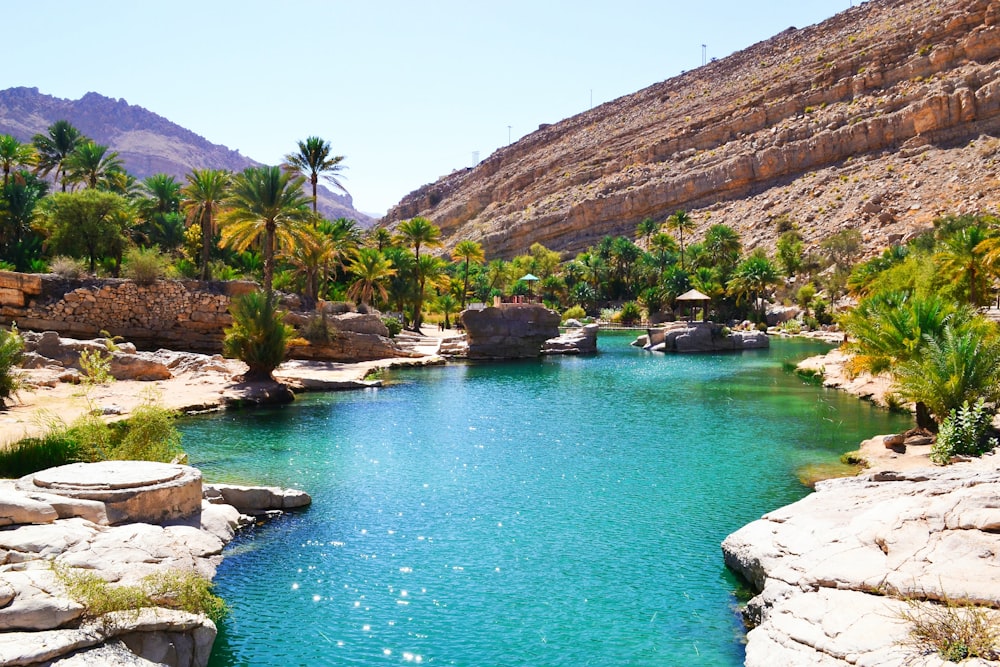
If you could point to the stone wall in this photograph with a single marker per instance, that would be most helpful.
(176, 314)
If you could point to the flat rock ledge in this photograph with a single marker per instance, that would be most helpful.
(833, 571)
(40, 625)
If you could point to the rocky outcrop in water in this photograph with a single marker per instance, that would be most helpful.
(577, 340)
(880, 119)
(700, 337)
(509, 331)
(831, 572)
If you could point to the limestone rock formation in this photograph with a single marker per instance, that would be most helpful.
(701, 337)
(510, 331)
(880, 118)
(831, 571)
(579, 340)
(41, 625)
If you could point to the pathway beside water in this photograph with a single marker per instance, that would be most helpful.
(561, 512)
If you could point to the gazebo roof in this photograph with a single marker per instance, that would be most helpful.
(693, 295)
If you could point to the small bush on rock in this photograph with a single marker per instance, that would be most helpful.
(145, 265)
(574, 313)
(955, 632)
(393, 325)
(67, 268)
(964, 433)
(11, 354)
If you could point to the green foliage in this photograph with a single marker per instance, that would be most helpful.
(964, 433)
(11, 354)
(393, 325)
(574, 313)
(953, 631)
(175, 589)
(259, 337)
(148, 435)
(630, 313)
(145, 265)
(961, 365)
(89, 224)
(24, 457)
(96, 367)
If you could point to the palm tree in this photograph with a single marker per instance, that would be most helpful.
(90, 163)
(259, 337)
(751, 278)
(202, 197)
(680, 222)
(311, 256)
(55, 147)
(646, 229)
(312, 160)
(961, 365)
(961, 261)
(265, 203)
(431, 270)
(722, 244)
(446, 304)
(372, 270)
(379, 238)
(419, 232)
(467, 251)
(163, 192)
(13, 155)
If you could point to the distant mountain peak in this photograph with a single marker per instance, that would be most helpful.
(146, 142)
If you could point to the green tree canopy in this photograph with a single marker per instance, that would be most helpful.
(313, 160)
(89, 224)
(55, 147)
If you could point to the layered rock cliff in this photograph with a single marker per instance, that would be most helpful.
(880, 118)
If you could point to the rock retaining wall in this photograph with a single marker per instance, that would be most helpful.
(176, 314)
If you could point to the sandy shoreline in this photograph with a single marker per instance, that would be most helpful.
(45, 400)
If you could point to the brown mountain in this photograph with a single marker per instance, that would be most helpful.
(146, 143)
(880, 118)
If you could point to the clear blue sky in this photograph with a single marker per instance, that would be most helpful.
(406, 90)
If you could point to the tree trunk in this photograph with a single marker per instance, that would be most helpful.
(924, 419)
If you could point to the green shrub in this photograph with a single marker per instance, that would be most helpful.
(145, 265)
(11, 354)
(183, 268)
(259, 337)
(574, 313)
(148, 435)
(393, 325)
(963, 433)
(630, 313)
(175, 589)
(96, 367)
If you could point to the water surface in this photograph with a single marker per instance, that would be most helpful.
(561, 512)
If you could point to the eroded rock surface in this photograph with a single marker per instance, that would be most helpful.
(701, 337)
(831, 571)
(510, 331)
(41, 625)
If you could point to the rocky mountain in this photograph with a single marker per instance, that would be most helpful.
(881, 118)
(146, 143)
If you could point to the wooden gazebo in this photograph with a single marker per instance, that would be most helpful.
(692, 299)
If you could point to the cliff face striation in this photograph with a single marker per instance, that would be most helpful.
(146, 142)
(880, 118)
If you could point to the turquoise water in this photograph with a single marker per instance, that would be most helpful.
(562, 512)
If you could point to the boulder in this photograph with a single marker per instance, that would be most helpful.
(582, 340)
(510, 331)
(257, 499)
(703, 337)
